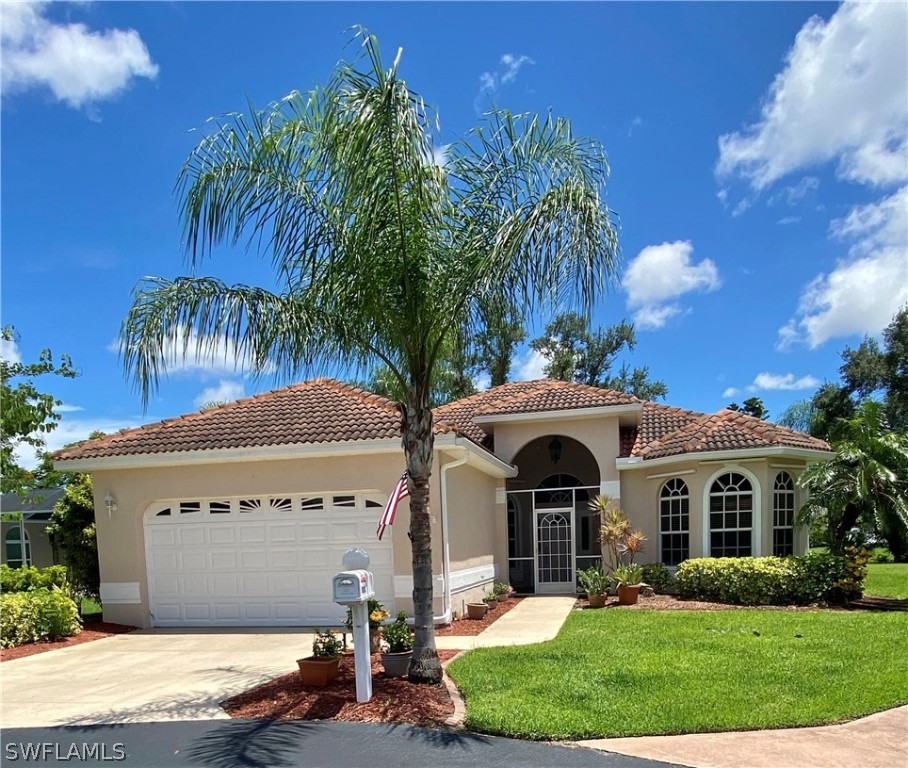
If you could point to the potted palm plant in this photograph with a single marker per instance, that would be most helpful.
(595, 583)
(398, 639)
(628, 577)
(321, 667)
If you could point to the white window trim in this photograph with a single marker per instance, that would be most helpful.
(794, 509)
(659, 499)
(756, 531)
(25, 547)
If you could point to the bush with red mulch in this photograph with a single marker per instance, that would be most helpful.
(394, 700)
(95, 631)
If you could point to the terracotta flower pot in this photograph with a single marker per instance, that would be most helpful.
(491, 602)
(476, 610)
(597, 601)
(396, 664)
(374, 640)
(628, 594)
(318, 671)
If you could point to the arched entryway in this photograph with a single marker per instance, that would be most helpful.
(551, 531)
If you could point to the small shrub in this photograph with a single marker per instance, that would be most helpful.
(657, 576)
(28, 578)
(37, 615)
(881, 555)
(327, 645)
(802, 579)
(629, 574)
(592, 580)
(851, 585)
(397, 635)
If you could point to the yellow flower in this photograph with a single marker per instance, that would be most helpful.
(377, 616)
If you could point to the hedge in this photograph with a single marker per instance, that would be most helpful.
(28, 578)
(41, 614)
(797, 580)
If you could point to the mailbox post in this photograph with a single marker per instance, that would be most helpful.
(354, 588)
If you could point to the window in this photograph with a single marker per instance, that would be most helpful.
(731, 511)
(14, 554)
(674, 521)
(783, 509)
(563, 494)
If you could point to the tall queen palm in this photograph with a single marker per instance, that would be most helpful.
(381, 250)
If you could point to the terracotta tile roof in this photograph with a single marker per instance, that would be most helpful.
(317, 411)
(537, 396)
(721, 431)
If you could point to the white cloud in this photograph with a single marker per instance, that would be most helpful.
(70, 431)
(9, 351)
(731, 392)
(783, 381)
(635, 123)
(224, 392)
(794, 194)
(661, 273)
(66, 408)
(490, 82)
(205, 355)
(842, 96)
(862, 293)
(788, 220)
(440, 155)
(530, 366)
(482, 382)
(77, 65)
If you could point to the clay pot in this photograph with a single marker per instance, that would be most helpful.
(597, 601)
(476, 610)
(318, 671)
(628, 594)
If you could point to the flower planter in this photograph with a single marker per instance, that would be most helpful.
(396, 664)
(491, 602)
(628, 594)
(597, 601)
(318, 671)
(476, 610)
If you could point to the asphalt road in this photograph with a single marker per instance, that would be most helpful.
(276, 744)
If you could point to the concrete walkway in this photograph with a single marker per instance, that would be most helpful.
(533, 620)
(877, 741)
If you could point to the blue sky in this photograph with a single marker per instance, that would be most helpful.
(758, 154)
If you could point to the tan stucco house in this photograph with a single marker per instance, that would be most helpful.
(239, 515)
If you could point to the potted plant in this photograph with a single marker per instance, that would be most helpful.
(377, 614)
(321, 667)
(502, 591)
(491, 600)
(595, 583)
(398, 639)
(477, 610)
(628, 578)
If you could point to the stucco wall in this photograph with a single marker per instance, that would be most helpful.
(121, 536)
(41, 550)
(641, 488)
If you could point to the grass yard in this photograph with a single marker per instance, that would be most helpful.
(630, 673)
(887, 580)
(90, 610)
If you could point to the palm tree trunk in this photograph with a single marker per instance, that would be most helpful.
(848, 520)
(418, 447)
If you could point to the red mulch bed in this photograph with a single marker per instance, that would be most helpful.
(675, 603)
(95, 631)
(394, 700)
(471, 627)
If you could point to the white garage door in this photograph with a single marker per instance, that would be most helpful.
(259, 561)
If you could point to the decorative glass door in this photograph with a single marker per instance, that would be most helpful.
(554, 551)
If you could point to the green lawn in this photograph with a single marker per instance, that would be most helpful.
(627, 673)
(887, 580)
(91, 610)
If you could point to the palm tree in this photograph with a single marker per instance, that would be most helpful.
(866, 480)
(380, 251)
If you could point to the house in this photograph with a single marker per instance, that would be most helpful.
(22, 527)
(239, 515)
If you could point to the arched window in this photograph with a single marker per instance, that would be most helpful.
(15, 557)
(565, 483)
(674, 521)
(783, 510)
(731, 512)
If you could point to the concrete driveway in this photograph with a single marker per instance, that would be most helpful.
(145, 676)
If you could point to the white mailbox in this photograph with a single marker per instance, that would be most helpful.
(353, 587)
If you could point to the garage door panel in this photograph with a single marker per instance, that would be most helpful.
(268, 566)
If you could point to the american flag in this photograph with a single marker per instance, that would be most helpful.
(401, 491)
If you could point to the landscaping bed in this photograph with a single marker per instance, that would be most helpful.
(465, 627)
(394, 700)
(675, 603)
(93, 631)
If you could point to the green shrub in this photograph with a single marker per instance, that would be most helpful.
(657, 576)
(881, 555)
(40, 614)
(802, 579)
(28, 578)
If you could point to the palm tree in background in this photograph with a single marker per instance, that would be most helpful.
(381, 251)
(866, 481)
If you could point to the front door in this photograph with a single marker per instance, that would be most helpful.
(554, 551)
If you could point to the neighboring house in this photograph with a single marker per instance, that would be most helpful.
(22, 527)
(239, 515)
